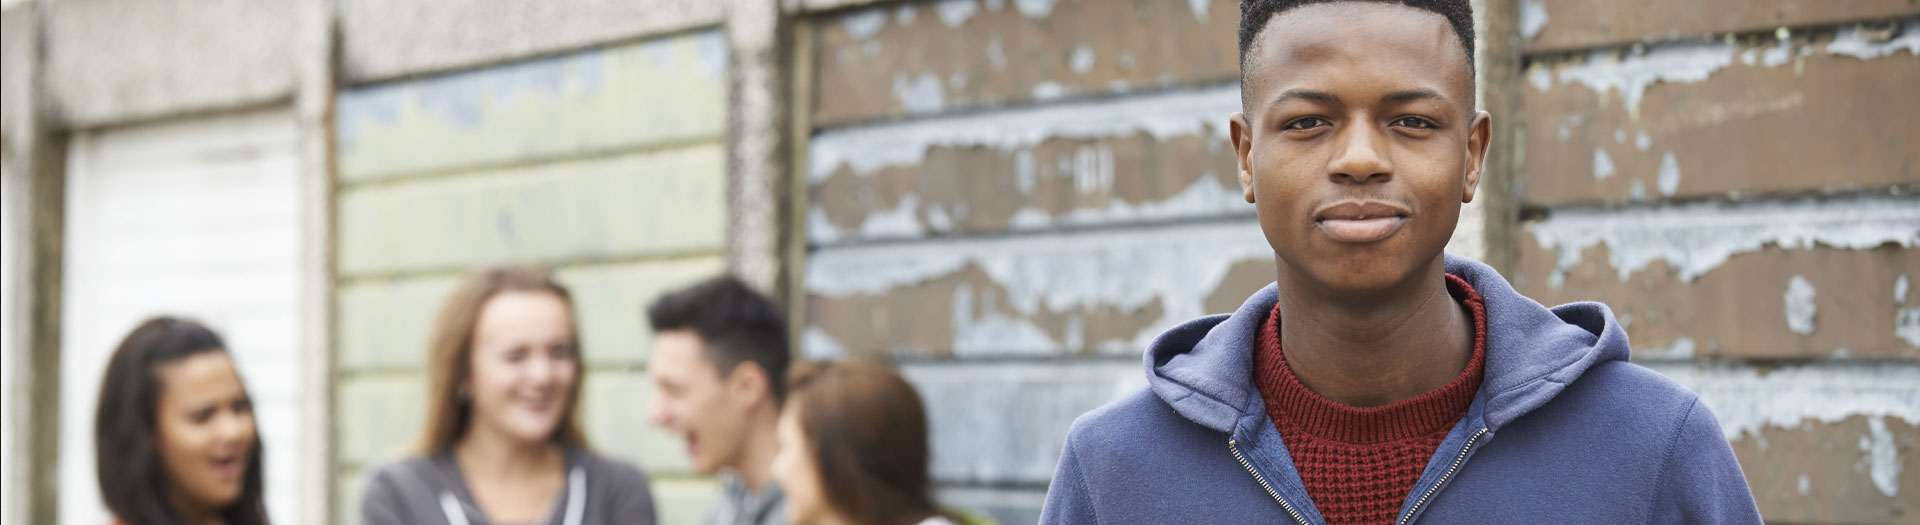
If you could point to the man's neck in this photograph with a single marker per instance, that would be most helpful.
(756, 454)
(1394, 345)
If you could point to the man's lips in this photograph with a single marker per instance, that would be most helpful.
(1360, 221)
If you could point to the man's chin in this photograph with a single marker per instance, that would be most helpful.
(1358, 281)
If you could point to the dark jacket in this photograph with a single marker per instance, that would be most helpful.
(1562, 430)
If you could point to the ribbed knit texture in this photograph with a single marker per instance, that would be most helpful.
(1359, 464)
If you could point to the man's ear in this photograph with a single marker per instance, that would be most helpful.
(1477, 139)
(1242, 137)
(748, 382)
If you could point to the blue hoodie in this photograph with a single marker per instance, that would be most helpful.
(1562, 430)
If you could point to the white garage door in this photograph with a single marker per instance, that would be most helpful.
(195, 217)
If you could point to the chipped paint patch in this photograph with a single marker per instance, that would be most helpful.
(920, 93)
(866, 149)
(1533, 18)
(1081, 60)
(1746, 399)
(1606, 71)
(818, 345)
(1858, 42)
(1883, 458)
(1035, 9)
(1906, 325)
(983, 330)
(1049, 91)
(996, 54)
(1900, 290)
(906, 14)
(1200, 8)
(1668, 179)
(999, 422)
(955, 13)
(1540, 78)
(1776, 56)
(1642, 142)
(1176, 267)
(1800, 307)
(900, 222)
(1602, 164)
(1803, 484)
(864, 24)
(1681, 348)
(1204, 198)
(1695, 238)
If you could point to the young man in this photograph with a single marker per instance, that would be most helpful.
(1380, 381)
(719, 370)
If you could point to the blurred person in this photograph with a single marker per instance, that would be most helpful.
(853, 448)
(719, 369)
(174, 435)
(502, 443)
(1380, 380)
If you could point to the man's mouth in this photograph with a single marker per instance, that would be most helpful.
(1361, 221)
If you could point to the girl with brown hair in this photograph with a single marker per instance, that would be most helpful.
(174, 435)
(501, 443)
(853, 448)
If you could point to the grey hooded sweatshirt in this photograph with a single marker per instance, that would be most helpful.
(739, 506)
(429, 490)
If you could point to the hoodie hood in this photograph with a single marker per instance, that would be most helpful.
(1203, 368)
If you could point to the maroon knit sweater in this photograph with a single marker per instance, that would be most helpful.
(1359, 464)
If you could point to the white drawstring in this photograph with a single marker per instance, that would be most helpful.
(576, 495)
(451, 505)
(576, 501)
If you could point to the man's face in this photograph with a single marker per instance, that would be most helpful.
(697, 401)
(1359, 142)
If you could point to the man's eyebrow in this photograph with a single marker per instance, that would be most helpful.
(1410, 96)
(1316, 96)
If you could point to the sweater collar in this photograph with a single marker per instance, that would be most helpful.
(1290, 402)
(1202, 368)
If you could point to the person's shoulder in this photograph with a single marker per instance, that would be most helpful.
(1622, 378)
(397, 489)
(1135, 420)
(1138, 409)
(411, 470)
(1627, 393)
(612, 471)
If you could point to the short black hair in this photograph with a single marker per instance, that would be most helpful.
(1255, 14)
(737, 324)
(132, 476)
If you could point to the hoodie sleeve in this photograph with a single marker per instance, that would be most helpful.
(1068, 501)
(1701, 481)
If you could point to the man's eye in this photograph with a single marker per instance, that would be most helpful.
(1307, 123)
(1414, 122)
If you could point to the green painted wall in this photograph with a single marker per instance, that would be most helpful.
(606, 164)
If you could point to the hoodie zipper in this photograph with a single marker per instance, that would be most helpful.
(1234, 445)
(1457, 460)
